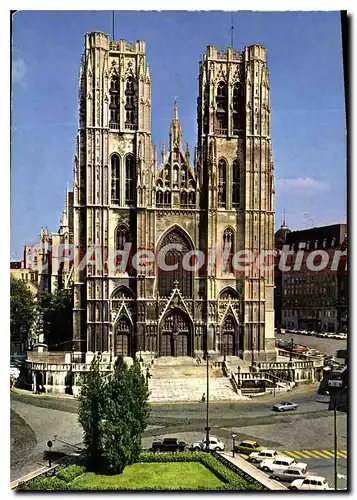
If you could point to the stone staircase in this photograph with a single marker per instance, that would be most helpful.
(182, 379)
(192, 389)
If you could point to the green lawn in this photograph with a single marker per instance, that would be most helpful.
(172, 475)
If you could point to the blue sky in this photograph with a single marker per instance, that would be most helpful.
(307, 102)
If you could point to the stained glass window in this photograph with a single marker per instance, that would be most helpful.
(174, 257)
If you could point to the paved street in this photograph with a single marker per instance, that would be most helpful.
(35, 419)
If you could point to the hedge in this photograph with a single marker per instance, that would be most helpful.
(63, 479)
(71, 472)
(46, 483)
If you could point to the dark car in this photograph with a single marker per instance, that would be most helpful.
(168, 444)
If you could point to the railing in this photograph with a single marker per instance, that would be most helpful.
(233, 467)
(115, 126)
(221, 131)
(263, 365)
(131, 126)
(49, 471)
(67, 367)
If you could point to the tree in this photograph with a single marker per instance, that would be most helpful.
(22, 310)
(91, 407)
(114, 412)
(57, 313)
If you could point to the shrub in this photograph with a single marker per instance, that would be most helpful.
(70, 473)
(47, 483)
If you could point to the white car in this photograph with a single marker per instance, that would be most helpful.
(289, 474)
(258, 456)
(214, 444)
(280, 463)
(14, 371)
(310, 483)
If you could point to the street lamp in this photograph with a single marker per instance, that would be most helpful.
(234, 436)
(207, 402)
(291, 349)
(253, 346)
(110, 345)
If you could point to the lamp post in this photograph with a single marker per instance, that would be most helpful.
(234, 436)
(291, 349)
(334, 385)
(110, 345)
(253, 346)
(207, 402)
(140, 358)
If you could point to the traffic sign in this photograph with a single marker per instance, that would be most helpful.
(335, 383)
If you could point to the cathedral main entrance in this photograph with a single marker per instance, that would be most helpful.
(175, 335)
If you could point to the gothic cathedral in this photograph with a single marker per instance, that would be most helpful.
(219, 202)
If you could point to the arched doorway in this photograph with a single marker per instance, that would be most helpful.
(229, 336)
(123, 337)
(175, 335)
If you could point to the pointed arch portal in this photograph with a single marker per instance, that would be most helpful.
(175, 335)
(231, 338)
(123, 337)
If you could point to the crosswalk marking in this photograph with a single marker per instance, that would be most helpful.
(310, 454)
(313, 454)
(321, 454)
(329, 453)
(291, 454)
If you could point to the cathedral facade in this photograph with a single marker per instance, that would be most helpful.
(194, 213)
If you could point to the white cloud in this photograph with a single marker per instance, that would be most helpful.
(19, 71)
(304, 186)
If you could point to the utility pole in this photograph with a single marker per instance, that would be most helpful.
(335, 439)
(207, 402)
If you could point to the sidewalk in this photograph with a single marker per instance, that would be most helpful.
(252, 471)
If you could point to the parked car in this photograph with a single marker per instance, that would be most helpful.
(168, 444)
(280, 463)
(258, 456)
(284, 406)
(289, 474)
(248, 447)
(14, 371)
(310, 483)
(214, 444)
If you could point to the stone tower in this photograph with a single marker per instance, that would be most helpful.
(234, 164)
(113, 156)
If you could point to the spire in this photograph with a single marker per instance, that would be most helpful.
(176, 118)
(175, 130)
(187, 153)
(284, 216)
(64, 218)
(163, 152)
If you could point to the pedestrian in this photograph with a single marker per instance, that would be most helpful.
(203, 399)
(197, 361)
